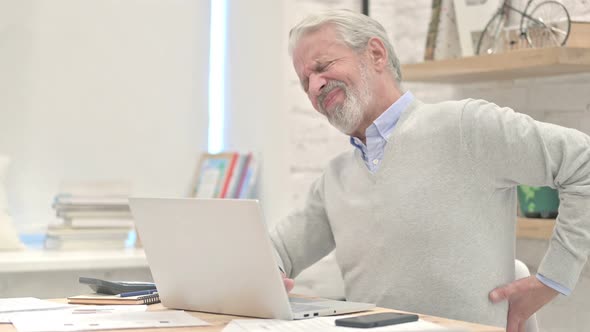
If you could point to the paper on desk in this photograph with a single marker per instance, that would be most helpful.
(73, 309)
(27, 304)
(324, 324)
(13, 306)
(92, 322)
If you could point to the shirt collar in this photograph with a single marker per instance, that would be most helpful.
(383, 126)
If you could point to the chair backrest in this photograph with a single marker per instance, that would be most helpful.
(522, 271)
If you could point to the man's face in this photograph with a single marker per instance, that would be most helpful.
(334, 77)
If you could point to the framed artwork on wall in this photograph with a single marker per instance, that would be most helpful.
(225, 175)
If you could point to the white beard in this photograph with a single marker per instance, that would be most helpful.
(348, 116)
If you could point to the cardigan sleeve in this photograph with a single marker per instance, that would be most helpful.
(512, 149)
(305, 236)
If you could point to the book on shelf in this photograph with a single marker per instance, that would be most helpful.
(97, 298)
(71, 205)
(237, 175)
(67, 238)
(76, 223)
(90, 218)
(249, 181)
(89, 233)
(94, 213)
(225, 175)
(84, 244)
(76, 200)
(229, 173)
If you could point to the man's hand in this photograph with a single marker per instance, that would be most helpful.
(525, 296)
(289, 283)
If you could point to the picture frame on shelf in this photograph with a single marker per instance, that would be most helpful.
(225, 175)
(213, 174)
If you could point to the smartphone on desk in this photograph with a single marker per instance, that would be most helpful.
(375, 320)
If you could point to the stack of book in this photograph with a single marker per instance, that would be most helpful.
(226, 175)
(90, 222)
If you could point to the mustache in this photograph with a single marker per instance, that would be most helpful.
(328, 88)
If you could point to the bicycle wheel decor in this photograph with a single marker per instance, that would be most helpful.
(491, 40)
(547, 25)
(529, 5)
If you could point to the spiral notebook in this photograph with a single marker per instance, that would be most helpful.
(113, 299)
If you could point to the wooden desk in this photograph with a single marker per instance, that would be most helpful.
(219, 321)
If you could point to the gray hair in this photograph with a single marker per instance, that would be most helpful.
(355, 30)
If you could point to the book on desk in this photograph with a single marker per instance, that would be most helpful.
(97, 298)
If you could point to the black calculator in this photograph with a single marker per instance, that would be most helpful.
(116, 287)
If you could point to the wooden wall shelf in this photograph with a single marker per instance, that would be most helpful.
(530, 228)
(534, 62)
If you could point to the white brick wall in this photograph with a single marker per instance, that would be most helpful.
(313, 141)
(564, 100)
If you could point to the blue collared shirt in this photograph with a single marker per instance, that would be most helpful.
(377, 136)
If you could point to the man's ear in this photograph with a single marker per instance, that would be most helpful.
(377, 53)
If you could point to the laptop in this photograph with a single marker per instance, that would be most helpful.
(215, 255)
